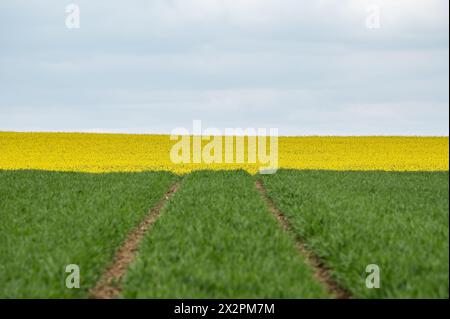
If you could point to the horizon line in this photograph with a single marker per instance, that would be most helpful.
(106, 132)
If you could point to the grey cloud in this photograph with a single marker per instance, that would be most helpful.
(307, 67)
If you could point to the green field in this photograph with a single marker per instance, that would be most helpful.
(216, 238)
(398, 221)
(50, 220)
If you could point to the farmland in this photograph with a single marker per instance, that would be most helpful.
(100, 153)
(50, 220)
(398, 221)
(348, 202)
(216, 239)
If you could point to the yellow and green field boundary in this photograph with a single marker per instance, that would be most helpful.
(90, 200)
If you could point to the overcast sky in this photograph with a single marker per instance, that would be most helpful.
(305, 67)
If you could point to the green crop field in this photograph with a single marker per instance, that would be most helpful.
(216, 237)
(50, 220)
(398, 221)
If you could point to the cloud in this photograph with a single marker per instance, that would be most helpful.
(307, 67)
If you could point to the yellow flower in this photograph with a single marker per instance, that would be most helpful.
(121, 152)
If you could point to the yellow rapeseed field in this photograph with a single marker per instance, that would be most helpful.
(121, 152)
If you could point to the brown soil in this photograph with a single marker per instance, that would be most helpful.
(321, 272)
(108, 287)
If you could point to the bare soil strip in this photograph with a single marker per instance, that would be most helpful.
(108, 287)
(321, 272)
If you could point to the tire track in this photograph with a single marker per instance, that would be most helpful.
(109, 284)
(321, 272)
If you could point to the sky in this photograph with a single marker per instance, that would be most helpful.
(312, 67)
